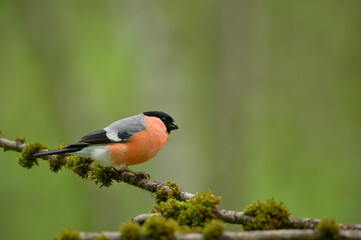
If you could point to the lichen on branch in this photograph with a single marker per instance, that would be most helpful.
(27, 160)
(328, 229)
(193, 212)
(267, 215)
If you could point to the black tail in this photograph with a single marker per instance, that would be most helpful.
(69, 149)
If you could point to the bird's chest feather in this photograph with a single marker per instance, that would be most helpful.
(141, 146)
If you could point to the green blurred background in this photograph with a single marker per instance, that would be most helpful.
(267, 95)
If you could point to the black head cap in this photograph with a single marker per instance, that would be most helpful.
(166, 119)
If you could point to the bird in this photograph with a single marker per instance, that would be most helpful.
(126, 142)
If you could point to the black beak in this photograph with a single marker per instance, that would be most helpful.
(173, 126)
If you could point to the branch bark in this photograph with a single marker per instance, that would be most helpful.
(6, 144)
(305, 234)
(227, 216)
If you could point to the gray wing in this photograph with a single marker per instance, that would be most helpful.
(123, 129)
(119, 131)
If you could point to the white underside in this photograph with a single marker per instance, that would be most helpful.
(99, 154)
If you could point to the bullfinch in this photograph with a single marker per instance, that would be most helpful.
(123, 143)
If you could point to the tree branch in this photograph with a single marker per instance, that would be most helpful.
(142, 217)
(6, 144)
(306, 234)
(227, 216)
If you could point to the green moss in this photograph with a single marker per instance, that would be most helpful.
(328, 229)
(69, 234)
(187, 229)
(102, 175)
(174, 190)
(27, 160)
(172, 208)
(159, 227)
(194, 212)
(56, 164)
(162, 195)
(269, 215)
(131, 231)
(20, 140)
(101, 237)
(79, 165)
(213, 230)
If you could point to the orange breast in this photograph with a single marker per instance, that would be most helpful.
(141, 146)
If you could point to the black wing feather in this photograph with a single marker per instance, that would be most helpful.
(100, 137)
(96, 137)
(124, 135)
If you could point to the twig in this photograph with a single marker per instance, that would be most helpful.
(142, 217)
(306, 234)
(151, 186)
(6, 144)
(234, 217)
